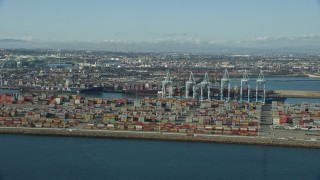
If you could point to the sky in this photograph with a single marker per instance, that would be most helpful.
(159, 24)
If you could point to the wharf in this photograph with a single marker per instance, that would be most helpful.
(264, 141)
(297, 94)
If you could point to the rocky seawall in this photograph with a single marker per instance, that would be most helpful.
(164, 137)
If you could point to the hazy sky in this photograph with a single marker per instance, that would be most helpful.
(236, 22)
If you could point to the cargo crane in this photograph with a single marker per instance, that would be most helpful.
(245, 83)
(67, 88)
(261, 84)
(216, 75)
(206, 84)
(1, 75)
(225, 82)
(191, 82)
(202, 85)
(167, 86)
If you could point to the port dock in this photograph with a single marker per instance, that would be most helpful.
(297, 94)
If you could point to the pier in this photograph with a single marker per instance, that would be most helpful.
(297, 94)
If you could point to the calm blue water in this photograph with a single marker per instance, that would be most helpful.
(295, 83)
(288, 83)
(35, 157)
(285, 83)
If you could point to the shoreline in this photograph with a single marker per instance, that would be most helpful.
(202, 138)
(313, 76)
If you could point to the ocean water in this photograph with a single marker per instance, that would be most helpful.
(285, 83)
(43, 157)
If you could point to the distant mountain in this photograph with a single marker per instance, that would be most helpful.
(12, 41)
(166, 46)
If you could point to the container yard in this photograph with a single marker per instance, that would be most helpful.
(149, 114)
(296, 116)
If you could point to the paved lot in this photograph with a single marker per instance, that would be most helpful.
(266, 131)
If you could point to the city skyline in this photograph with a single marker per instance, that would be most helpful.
(159, 25)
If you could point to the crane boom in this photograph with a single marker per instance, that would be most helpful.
(2, 64)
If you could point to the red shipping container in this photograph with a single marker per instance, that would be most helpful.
(9, 123)
(16, 119)
(283, 119)
(280, 112)
(235, 132)
(252, 133)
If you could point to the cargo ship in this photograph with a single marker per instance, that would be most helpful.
(106, 90)
(87, 89)
(141, 92)
(125, 91)
(44, 89)
(133, 88)
(110, 89)
(52, 89)
(270, 99)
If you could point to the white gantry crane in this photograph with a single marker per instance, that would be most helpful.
(167, 86)
(1, 77)
(205, 84)
(261, 85)
(190, 83)
(245, 83)
(67, 88)
(225, 82)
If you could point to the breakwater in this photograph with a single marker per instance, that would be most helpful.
(297, 94)
(164, 137)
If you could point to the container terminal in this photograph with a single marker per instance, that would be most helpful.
(194, 105)
(165, 113)
(151, 118)
(148, 114)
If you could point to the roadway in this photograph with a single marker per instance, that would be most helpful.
(265, 132)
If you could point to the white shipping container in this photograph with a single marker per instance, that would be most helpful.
(123, 117)
(137, 103)
(201, 119)
(274, 103)
(316, 122)
(219, 123)
(141, 119)
(188, 119)
(110, 126)
(58, 100)
(172, 118)
(138, 127)
(38, 125)
(276, 121)
(100, 125)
